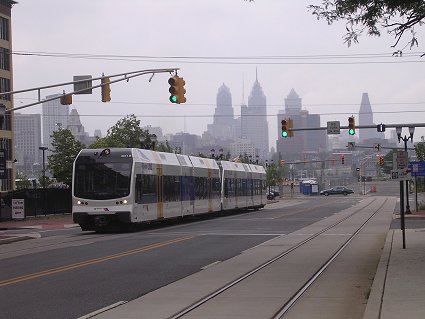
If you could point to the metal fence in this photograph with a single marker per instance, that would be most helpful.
(39, 201)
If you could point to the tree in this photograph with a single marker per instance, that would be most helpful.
(420, 151)
(22, 181)
(125, 133)
(370, 16)
(65, 149)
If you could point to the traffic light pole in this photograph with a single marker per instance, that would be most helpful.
(124, 77)
(357, 127)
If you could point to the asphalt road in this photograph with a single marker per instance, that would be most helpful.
(71, 273)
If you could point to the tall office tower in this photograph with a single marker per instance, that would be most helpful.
(293, 103)
(27, 129)
(366, 118)
(303, 141)
(254, 124)
(224, 110)
(55, 117)
(7, 152)
(223, 121)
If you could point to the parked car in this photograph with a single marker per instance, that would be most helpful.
(272, 194)
(341, 190)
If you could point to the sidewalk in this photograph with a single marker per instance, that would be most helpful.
(41, 222)
(398, 289)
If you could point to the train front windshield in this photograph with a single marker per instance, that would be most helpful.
(96, 178)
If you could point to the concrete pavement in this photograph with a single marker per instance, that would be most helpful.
(398, 289)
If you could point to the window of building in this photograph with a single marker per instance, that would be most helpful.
(4, 29)
(5, 87)
(4, 59)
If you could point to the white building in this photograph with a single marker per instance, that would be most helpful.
(241, 147)
(27, 129)
(54, 116)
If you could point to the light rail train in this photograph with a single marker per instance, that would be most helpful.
(124, 186)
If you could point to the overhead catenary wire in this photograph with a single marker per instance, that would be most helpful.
(260, 60)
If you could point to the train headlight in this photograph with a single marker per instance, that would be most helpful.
(79, 202)
(125, 201)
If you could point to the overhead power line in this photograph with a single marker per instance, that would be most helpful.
(374, 58)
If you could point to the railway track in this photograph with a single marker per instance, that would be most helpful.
(355, 221)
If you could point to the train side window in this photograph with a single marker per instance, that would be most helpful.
(139, 188)
(149, 189)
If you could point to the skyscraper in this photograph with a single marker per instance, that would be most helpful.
(303, 141)
(223, 121)
(366, 118)
(27, 129)
(54, 116)
(254, 125)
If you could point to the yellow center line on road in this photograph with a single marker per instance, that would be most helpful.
(89, 262)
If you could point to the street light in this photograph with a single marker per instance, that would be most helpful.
(405, 139)
(152, 138)
(43, 149)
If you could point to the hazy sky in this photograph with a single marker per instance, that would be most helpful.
(208, 33)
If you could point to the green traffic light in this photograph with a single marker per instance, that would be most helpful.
(284, 134)
(351, 131)
(173, 98)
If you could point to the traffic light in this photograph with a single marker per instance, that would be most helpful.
(381, 160)
(106, 89)
(351, 125)
(177, 89)
(290, 125)
(173, 81)
(66, 99)
(342, 159)
(284, 128)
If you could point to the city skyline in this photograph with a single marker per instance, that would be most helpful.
(281, 39)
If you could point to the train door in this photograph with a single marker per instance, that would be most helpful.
(159, 193)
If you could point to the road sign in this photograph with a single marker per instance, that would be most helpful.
(18, 208)
(402, 159)
(334, 127)
(417, 168)
(400, 174)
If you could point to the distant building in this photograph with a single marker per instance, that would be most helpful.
(243, 147)
(254, 125)
(185, 142)
(27, 142)
(77, 129)
(302, 141)
(366, 118)
(155, 130)
(54, 116)
(223, 121)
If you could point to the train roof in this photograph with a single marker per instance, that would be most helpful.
(200, 162)
(148, 156)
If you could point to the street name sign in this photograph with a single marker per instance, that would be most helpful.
(417, 168)
(334, 127)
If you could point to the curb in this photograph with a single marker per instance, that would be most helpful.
(374, 302)
(15, 238)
